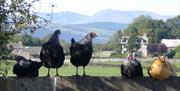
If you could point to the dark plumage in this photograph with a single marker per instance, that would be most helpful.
(81, 52)
(131, 68)
(26, 68)
(52, 53)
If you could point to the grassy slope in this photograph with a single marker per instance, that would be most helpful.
(100, 69)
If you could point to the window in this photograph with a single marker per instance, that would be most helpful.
(124, 40)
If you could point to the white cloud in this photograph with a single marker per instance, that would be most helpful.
(89, 7)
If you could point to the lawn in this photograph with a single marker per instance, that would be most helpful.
(98, 69)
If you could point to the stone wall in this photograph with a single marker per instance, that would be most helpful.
(89, 83)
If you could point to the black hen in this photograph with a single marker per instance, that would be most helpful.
(81, 52)
(26, 68)
(131, 68)
(52, 53)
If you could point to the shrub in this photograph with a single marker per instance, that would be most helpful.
(171, 54)
(177, 55)
(117, 55)
(157, 49)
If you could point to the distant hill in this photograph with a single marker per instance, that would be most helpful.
(124, 16)
(66, 17)
(108, 15)
(105, 23)
(104, 30)
(101, 25)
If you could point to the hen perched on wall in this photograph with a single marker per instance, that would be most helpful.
(26, 68)
(131, 68)
(81, 52)
(52, 54)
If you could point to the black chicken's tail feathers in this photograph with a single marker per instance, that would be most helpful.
(73, 41)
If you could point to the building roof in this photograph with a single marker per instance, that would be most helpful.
(17, 45)
(171, 42)
(31, 48)
(143, 40)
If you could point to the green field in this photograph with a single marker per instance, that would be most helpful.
(98, 69)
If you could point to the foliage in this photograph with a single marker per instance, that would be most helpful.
(65, 46)
(133, 44)
(176, 33)
(98, 47)
(141, 23)
(4, 67)
(113, 43)
(177, 49)
(158, 32)
(46, 38)
(28, 40)
(17, 16)
(155, 29)
(177, 55)
(171, 54)
(157, 49)
(174, 25)
(5, 37)
(118, 55)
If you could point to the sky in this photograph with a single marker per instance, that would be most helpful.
(90, 7)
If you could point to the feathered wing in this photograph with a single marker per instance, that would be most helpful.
(80, 53)
(45, 54)
(73, 41)
(140, 69)
(78, 49)
(51, 52)
(131, 69)
(75, 49)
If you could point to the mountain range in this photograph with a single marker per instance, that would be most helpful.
(104, 30)
(105, 23)
(107, 15)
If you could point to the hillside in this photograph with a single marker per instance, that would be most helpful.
(104, 30)
(105, 23)
(124, 16)
(108, 15)
(102, 25)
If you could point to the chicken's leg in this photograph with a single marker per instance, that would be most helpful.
(84, 73)
(57, 74)
(77, 71)
(48, 72)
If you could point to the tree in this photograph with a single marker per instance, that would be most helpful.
(177, 50)
(17, 16)
(157, 49)
(161, 31)
(28, 40)
(174, 25)
(133, 44)
(156, 30)
(171, 54)
(142, 23)
(114, 42)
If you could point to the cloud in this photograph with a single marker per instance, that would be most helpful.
(89, 7)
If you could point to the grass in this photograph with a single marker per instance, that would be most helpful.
(98, 69)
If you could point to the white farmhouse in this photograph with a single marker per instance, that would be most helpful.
(143, 41)
(171, 43)
(25, 51)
